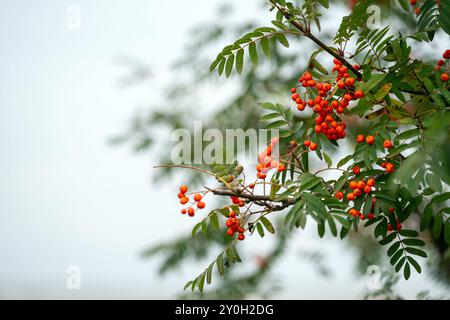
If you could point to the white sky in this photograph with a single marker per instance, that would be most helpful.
(66, 197)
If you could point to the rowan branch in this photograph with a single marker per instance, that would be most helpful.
(308, 34)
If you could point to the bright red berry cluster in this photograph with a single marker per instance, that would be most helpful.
(234, 226)
(184, 199)
(444, 64)
(357, 188)
(358, 214)
(321, 97)
(267, 162)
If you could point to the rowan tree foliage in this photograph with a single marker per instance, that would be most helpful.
(393, 106)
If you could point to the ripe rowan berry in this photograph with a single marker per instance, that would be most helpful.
(440, 63)
(201, 205)
(281, 167)
(350, 82)
(180, 195)
(446, 54)
(339, 195)
(191, 212)
(370, 139)
(294, 90)
(183, 211)
(352, 184)
(307, 143)
(417, 11)
(390, 168)
(353, 212)
(391, 210)
(351, 196)
(184, 200)
(361, 184)
(371, 182)
(359, 94)
(360, 138)
(367, 189)
(387, 144)
(229, 223)
(241, 236)
(198, 197)
(313, 146)
(230, 232)
(251, 185)
(183, 189)
(389, 227)
(370, 216)
(413, 2)
(357, 192)
(444, 77)
(399, 226)
(356, 169)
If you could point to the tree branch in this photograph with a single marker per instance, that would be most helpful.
(309, 35)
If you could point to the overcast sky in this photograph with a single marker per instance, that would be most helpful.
(69, 198)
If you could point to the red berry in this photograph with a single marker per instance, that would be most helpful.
(307, 143)
(350, 82)
(360, 185)
(191, 212)
(293, 90)
(389, 227)
(391, 210)
(390, 168)
(241, 236)
(399, 226)
(183, 211)
(181, 195)
(230, 232)
(184, 200)
(198, 197)
(360, 138)
(313, 146)
(339, 195)
(367, 189)
(183, 189)
(446, 54)
(281, 167)
(441, 63)
(387, 144)
(370, 139)
(356, 170)
(444, 77)
(353, 185)
(350, 197)
(371, 183)
(370, 216)
(201, 205)
(357, 192)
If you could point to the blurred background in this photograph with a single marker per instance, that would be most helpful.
(89, 93)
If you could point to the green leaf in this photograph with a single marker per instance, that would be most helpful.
(344, 160)
(214, 220)
(332, 225)
(413, 242)
(426, 217)
(409, 233)
(447, 232)
(220, 264)
(282, 39)
(393, 248)
(209, 273)
(407, 271)
(388, 239)
(202, 282)
(327, 159)
(229, 66)
(437, 226)
(415, 264)
(315, 204)
(416, 252)
(239, 60)
(265, 46)
(260, 229)
(253, 53)
(267, 224)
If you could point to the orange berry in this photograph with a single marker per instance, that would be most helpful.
(350, 82)
(350, 197)
(359, 94)
(181, 195)
(352, 184)
(184, 200)
(387, 144)
(360, 138)
(183, 211)
(281, 167)
(417, 11)
(444, 77)
(353, 212)
(390, 168)
(191, 212)
(360, 185)
(371, 183)
(201, 205)
(370, 139)
(198, 197)
(183, 189)
(339, 195)
(357, 192)
(313, 146)
(367, 189)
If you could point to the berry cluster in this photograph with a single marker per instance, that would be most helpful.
(267, 162)
(358, 187)
(441, 64)
(238, 201)
(234, 226)
(184, 199)
(324, 104)
(356, 213)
